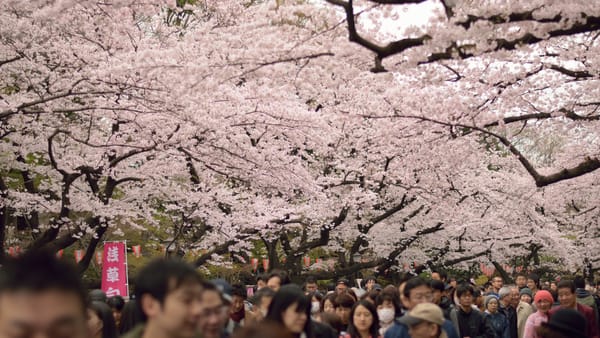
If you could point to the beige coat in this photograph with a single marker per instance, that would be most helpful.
(523, 312)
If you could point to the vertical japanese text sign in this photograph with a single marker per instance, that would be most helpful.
(114, 270)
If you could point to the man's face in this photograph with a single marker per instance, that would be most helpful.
(51, 313)
(497, 283)
(237, 304)
(418, 295)
(274, 283)
(311, 287)
(521, 281)
(466, 300)
(260, 284)
(531, 284)
(212, 320)
(179, 314)
(341, 288)
(567, 298)
(515, 297)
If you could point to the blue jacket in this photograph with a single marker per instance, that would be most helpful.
(399, 330)
(499, 323)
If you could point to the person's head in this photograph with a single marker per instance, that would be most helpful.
(533, 282)
(344, 305)
(579, 282)
(97, 295)
(566, 293)
(291, 307)
(491, 303)
(329, 304)
(238, 296)
(41, 296)
(465, 293)
(387, 307)
(543, 301)
(101, 321)
(497, 283)
(416, 291)
(116, 304)
(261, 281)
(277, 278)
(437, 289)
(130, 316)
(526, 295)
(515, 296)
(564, 323)
(316, 299)
(214, 311)
(169, 293)
(342, 285)
(262, 299)
(363, 319)
(504, 296)
(425, 321)
(370, 283)
(310, 285)
(521, 280)
(370, 296)
(440, 275)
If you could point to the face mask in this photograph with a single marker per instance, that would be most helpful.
(315, 307)
(386, 315)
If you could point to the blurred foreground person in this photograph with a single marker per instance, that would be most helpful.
(130, 317)
(425, 320)
(263, 330)
(214, 312)
(291, 308)
(564, 323)
(364, 322)
(168, 294)
(101, 321)
(41, 296)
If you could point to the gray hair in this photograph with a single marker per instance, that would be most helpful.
(504, 291)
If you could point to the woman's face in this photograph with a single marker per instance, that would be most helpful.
(362, 319)
(492, 306)
(543, 306)
(526, 298)
(328, 307)
(94, 322)
(294, 319)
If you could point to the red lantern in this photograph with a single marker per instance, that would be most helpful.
(306, 261)
(78, 255)
(254, 263)
(265, 264)
(60, 253)
(99, 258)
(137, 250)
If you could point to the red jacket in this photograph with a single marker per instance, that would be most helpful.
(590, 317)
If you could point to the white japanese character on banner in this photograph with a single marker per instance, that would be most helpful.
(113, 254)
(113, 292)
(112, 275)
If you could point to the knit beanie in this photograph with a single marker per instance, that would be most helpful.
(543, 295)
(488, 299)
(526, 291)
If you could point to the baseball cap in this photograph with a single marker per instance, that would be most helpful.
(424, 312)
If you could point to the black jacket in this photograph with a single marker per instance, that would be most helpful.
(471, 324)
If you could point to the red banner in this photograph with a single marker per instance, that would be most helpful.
(254, 263)
(114, 270)
(265, 264)
(78, 255)
(137, 251)
(14, 251)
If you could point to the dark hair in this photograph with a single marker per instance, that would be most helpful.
(329, 297)
(116, 302)
(283, 299)
(546, 332)
(437, 285)
(464, 288)
(283, 276)
(565, 283)
(104, 312)
(344, 300)
(413, 283)
(372, 295)
(262, 277)
(317, 295)
(238, 290)
(211, 287)
(535, 278)
(161, 277)
(443, 274)
(39, 271)
(262, 293)
(367, 279)
(383, 296)
(311, 280)
(579, 282)
(374, 329)
(521, 274)
(130, 316)
(333, 320)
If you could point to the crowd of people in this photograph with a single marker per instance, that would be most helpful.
(41, 296)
